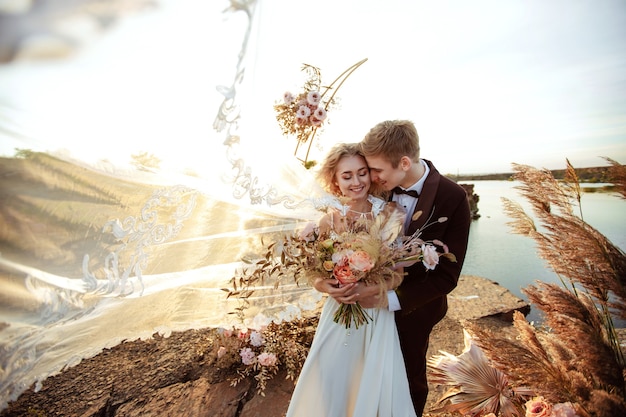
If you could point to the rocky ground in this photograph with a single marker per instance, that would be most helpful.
(181, 375)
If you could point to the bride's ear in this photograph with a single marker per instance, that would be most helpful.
(337, 189)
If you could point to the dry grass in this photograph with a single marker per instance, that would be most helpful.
(617, 172)
(578, 357)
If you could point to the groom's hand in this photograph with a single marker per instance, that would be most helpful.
(369, 296)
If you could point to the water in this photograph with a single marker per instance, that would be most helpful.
(511, 260)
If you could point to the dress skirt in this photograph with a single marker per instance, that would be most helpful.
(353, 372)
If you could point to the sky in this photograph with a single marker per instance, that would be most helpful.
(487, 83)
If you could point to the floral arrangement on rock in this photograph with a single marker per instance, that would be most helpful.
(539, 407)
(262, 352)
(575, 364)
(303, 114)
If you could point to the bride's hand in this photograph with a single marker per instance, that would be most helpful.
(324, 284)
(345, 294)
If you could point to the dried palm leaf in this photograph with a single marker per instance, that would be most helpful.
(477, 387)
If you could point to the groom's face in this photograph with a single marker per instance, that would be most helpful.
(384, 174)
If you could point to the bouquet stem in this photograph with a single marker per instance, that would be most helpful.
(348, 313)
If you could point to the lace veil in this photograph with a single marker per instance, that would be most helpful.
(95, 254)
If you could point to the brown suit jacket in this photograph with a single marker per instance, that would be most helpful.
(422, 294)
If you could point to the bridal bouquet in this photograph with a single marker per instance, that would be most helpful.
(369, 251)
(350, 257)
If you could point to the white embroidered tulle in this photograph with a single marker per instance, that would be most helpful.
(160, 264)
(378, 204)
(101, 253)
(333, 202)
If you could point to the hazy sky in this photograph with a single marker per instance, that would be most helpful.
(487, 83)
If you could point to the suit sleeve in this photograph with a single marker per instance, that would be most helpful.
(421, 286)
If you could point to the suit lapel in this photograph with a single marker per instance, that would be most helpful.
(426, 200)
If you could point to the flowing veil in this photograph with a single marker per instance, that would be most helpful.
(94, 254)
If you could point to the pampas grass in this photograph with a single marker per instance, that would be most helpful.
(576, 355)
(617, 173)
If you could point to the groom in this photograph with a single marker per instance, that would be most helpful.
(391, 149)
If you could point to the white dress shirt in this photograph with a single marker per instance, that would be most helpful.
(409, 203)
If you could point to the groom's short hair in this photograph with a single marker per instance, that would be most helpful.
(392, 139)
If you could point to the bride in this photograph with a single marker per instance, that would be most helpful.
(351, 371)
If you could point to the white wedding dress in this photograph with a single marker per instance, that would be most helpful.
(353, 372)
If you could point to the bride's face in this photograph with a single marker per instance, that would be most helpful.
(353, 177)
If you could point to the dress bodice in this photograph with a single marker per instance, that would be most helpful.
(378, 205)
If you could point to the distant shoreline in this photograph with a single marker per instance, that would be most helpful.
(600, 174)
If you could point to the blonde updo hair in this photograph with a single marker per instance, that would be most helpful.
(328, 170)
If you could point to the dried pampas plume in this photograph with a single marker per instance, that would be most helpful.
(576, 357)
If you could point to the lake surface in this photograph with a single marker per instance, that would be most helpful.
(511, 260)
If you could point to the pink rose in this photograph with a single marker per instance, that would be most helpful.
(320, 114)
(303, 112)
(343, 273)
(247, 356)
(315, 122)
(256, 338)
(341, 257)
(361, 261)
(288, 97)
(267, 359)
(314, 98)
(430, 257)
(538, 407)
(564, 410)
